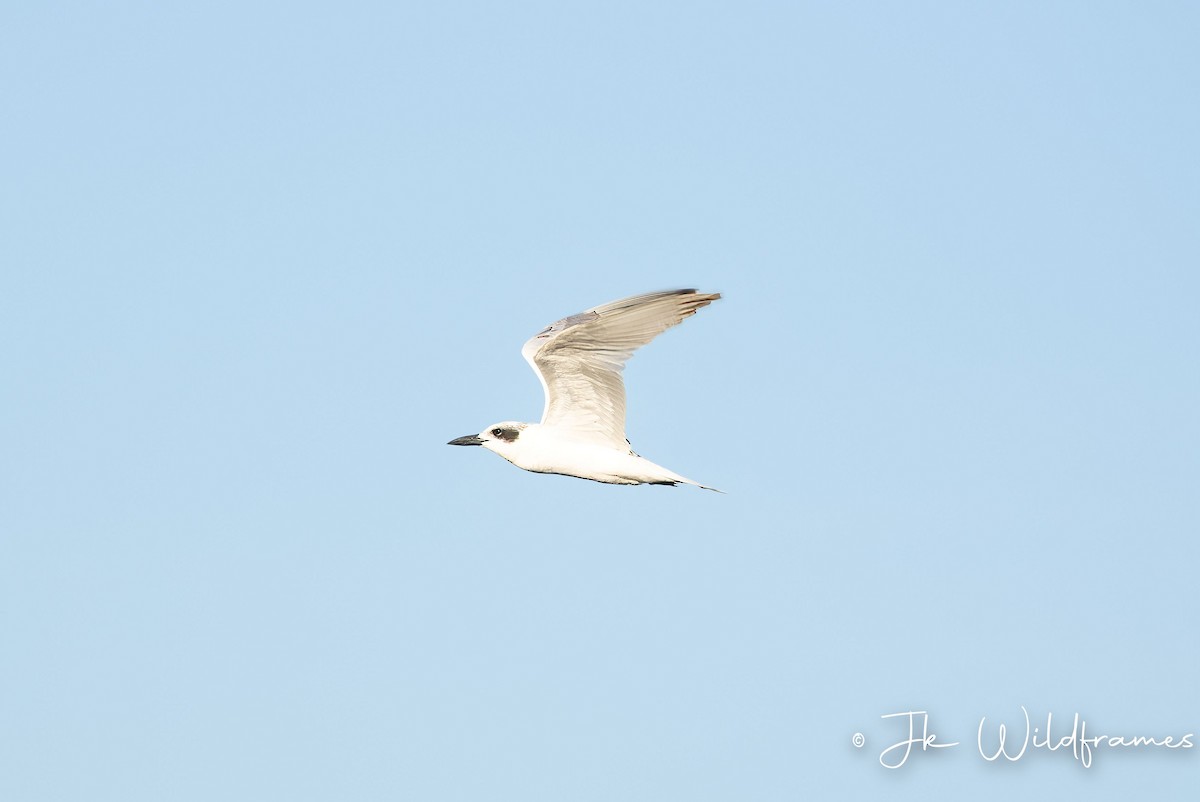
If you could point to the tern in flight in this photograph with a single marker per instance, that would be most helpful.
(579, 361)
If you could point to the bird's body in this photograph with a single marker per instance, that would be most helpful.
(551, 450)
(579, 361)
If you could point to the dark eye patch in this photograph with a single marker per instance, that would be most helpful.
(507, 435)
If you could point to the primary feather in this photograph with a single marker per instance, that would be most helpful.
(579, 360)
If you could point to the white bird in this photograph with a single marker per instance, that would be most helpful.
(579, 360)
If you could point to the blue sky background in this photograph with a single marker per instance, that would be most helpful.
(262, 260)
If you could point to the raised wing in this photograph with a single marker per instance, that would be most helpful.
(579, 360)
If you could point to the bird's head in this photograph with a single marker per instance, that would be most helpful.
(499, 437)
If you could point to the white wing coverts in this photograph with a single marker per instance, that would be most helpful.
(579, 360)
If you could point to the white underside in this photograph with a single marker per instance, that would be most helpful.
(544, 449)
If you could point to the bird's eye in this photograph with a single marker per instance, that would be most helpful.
(496, 432)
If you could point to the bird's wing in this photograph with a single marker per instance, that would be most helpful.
(579, 360)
